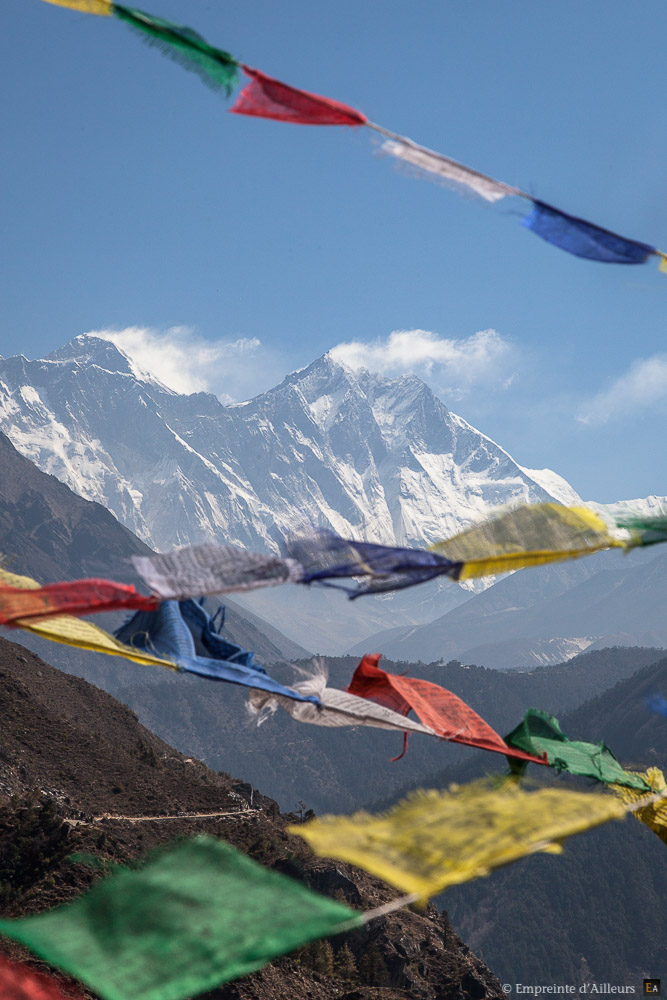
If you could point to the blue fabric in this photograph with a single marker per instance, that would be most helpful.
(383, 568)
(657, 703)
(165, 632)
(583, 238)
(208, 640)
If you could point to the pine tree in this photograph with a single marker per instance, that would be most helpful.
(345, 966)
(323, 958)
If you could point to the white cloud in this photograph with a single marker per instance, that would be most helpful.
(641, 387)
(454, 364)
(187, 362)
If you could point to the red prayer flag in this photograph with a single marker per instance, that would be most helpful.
(436, 707)
(78, 597)
(265, 97)
(19, 981)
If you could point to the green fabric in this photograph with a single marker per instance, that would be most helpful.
(540, 733)
(218, 69)
(650, 529)
(191, 918)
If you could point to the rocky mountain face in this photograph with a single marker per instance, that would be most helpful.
(352, 451)
(77, 770)
(49, 533)
(378, 458)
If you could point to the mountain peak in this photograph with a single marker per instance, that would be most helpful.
(91, 350)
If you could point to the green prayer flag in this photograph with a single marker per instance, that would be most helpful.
(217, 68)
(540, 733)
(191, 918)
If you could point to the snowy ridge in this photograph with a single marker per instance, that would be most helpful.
(329, 447)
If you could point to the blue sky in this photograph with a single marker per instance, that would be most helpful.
(232, 250)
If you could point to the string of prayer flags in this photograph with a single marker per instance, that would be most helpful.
(377, 568)
(213, 569)
(18, 981)
(265, 97)
(190, 919)
(540, 733)
(443, 168)
(334, 708)
(582, 238)
(445, 713)
(434, 839)
(165, 632)
(529, 535)
(654, 814)
(78, 597)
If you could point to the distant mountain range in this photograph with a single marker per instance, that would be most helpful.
(372, 457)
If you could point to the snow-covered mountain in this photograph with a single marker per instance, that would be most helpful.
(373, 457)
(370, 457)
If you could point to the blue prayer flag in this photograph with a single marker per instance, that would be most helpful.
(583, 238)
(166, 632)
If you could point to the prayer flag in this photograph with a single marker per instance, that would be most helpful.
(213, 569)
(335, 708)
(378, 568)
(265, 97)
(19, 981)
(447, 170)
(529, 535)
(207, 639)
(654, 815)
(649, 529)
(217, 68)
(540, 732)
(165, 632)
(102, 7)
(446, 714)
(75, 631)
(434, 839)
(583, 238)
(190, 919)
(78, 597)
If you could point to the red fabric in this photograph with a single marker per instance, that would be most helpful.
(19, 982)
(433, 705)
(80, 597)
(265, 97)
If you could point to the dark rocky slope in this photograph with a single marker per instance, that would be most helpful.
(69, 752)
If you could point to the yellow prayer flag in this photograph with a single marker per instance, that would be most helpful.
(663, 261)
(77, 632)
(655, 814)
(530, 535)
(435, 839)
(101, 7)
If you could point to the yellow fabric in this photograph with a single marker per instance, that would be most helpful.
(102, 7)
(435, 839)
(654, 815)
(663, 261)
(77, 632)
(530, 535)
